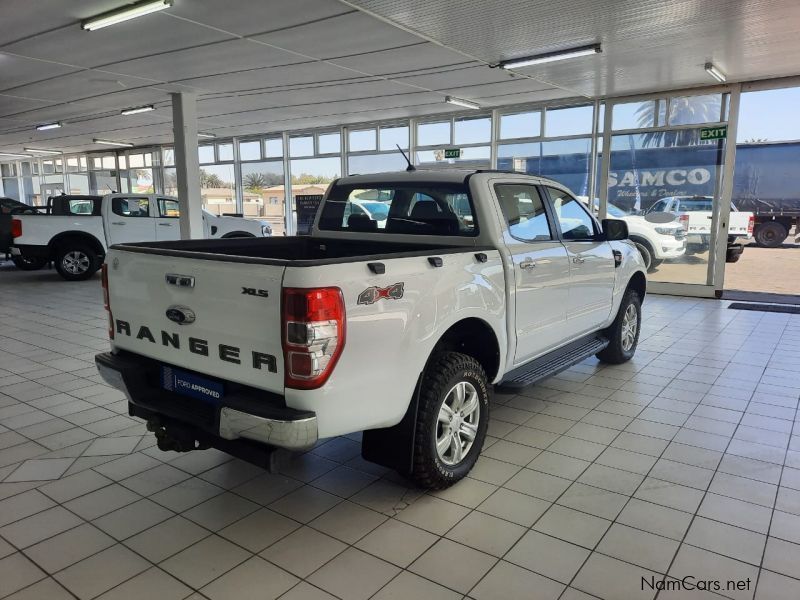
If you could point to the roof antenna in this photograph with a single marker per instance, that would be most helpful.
(410, 167)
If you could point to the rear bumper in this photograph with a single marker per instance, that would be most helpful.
(245, 413)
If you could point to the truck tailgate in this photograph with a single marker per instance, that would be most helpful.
(231, 313)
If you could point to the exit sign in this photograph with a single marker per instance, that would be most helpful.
(714, 133)
(452, 152)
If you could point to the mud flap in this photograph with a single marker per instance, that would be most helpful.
(393, 447)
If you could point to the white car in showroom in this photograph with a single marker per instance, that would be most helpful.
(655, 241)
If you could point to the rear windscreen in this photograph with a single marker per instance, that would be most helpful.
(416, 209)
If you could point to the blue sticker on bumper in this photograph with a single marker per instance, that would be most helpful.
(188, 384)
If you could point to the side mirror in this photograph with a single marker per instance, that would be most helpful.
(615, 229)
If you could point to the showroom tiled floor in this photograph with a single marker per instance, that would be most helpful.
(685, 461)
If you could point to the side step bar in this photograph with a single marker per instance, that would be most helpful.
(552, 363)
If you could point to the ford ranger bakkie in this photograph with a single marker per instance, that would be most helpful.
(397, 322)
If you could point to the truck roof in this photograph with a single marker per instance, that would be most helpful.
(433, 176)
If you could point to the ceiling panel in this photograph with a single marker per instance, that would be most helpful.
(221, 57)
(299, 74)
(18, 70)
(334, 37)
(148, 35)
(422, 56)
(14, 104)
(81, 84)
(23, 18)
(246, 17)
(646, 45)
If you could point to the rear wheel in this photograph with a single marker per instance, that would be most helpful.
(76, 262)
(771, 234)
(623, 334)
(29, 263)
(451, 421)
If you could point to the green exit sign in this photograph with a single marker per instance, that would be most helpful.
(714, 133)
(452, 152)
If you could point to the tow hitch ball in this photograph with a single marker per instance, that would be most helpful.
(175, 438)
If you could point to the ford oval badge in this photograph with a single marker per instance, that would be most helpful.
(182, 315)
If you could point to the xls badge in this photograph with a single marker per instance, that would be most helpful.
(372, 294)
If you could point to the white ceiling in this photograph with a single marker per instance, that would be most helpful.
(271, 65)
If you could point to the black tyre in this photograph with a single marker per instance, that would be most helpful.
(624, 331)
(648, 256)
(29, 263)
(451, 421)
(770, 234)
(76, 262)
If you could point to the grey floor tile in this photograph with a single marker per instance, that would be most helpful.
(305, 503)
(303, 551)
(691, 560)
(254, 579)
(453, 565)
(548, 556)
(507, 581)
(102, 571)
(647, 550)
(132, 519)
(259, 530)
(204, 561)
(348, 522)
(611, 579)
(220, 511)
(167, 538)
(773, 586)
(17, 572)
(65, 549)
(486, 533)
(397, 542)
(433, 514)
(102, 501)
(572, 526)
(41, 526)
(153, 583)
(337, 575)
(76, 485)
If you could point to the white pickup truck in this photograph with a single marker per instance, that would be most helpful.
(696, 213)
(397, 328)
(77, 230)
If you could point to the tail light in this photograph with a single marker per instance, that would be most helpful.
(313, 335)
(106, 302)
(16, 228)
(684, 220)
(751, 223)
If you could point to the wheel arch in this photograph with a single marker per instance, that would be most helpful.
(638, 283)
(65, 237)
(476, 338)
(238, 234)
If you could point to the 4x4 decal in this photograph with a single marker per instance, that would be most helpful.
(372, 294)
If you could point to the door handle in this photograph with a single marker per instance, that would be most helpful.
(527, 264)
(165, 224)
(117, 222)
(578, 259)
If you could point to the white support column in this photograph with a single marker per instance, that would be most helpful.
(187, 165)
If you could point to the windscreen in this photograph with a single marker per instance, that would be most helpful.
(416, 209)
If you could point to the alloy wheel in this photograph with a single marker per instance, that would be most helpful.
(457, 425)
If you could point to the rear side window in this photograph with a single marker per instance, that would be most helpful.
(80, 207)
(168, 207)
(415, 209)
(524, 212)
(131, 207)
(695, 205)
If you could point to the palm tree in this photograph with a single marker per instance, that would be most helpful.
(210, 180)
(682, 110)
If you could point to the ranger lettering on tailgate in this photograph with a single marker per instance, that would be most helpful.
(199, 346)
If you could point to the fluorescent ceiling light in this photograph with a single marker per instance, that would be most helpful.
(715, 72)
(11, 155)
(125, 13)
(206, 135)
(47, 126)
(40, 151)
(113, 143)
(551, 57)
(138, 109)
(460, 102)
